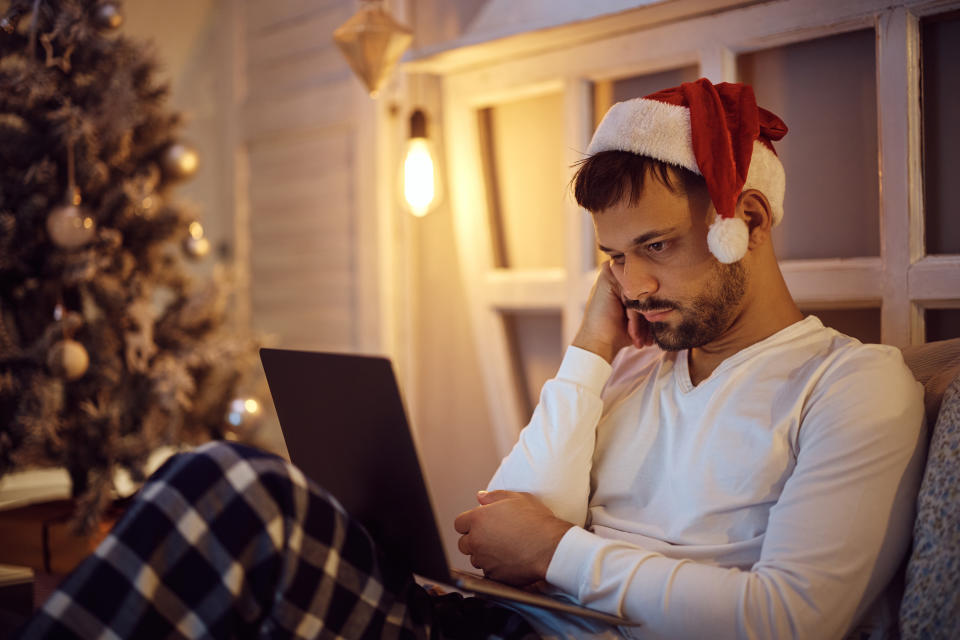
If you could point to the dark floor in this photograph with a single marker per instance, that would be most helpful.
(16, 604)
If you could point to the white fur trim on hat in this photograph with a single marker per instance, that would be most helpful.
(766, 176)
(728, 239)
(647, 128)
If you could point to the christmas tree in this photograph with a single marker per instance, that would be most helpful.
(109, 346)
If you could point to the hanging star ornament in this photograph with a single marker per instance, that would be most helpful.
(372, 41)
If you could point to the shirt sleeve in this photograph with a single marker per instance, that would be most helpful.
(554, 452)
(834, 538)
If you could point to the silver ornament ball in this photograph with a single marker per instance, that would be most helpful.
(107, 16)
(68, 359)
(70, 227)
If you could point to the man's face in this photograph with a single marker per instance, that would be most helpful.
(659, 254)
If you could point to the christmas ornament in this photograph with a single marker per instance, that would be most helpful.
(68, 359)
(107, 16)
(70, 227)
(243, 412)
(179, 161)
(195, 244)
(372, 41)
(10, 21)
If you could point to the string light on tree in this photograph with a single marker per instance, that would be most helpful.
(243, 416)
(196, 244)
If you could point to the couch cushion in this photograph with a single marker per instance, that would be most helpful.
(931, 603)
(935, 365)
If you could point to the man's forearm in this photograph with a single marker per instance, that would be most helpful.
(553, 456)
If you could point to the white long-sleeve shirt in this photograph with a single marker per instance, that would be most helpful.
(772, 500)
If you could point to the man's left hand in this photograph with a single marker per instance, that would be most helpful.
(511, 536)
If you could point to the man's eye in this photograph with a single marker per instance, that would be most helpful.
(657, 247)
(617, 259)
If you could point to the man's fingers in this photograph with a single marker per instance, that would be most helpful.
(486, 497)
(475, 562)
(637, 329)
(463, 546)
(462, 522)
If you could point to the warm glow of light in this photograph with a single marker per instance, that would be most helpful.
(196, 230)
(419, 177)
(251, 405)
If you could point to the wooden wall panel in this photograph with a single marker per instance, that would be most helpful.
(300, 126)
(265, 15)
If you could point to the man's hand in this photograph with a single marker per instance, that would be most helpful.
(607, 326)
(511, 536)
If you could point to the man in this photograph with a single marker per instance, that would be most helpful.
(752, 477)
(755, 476)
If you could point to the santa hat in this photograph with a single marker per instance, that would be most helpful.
(716, 131)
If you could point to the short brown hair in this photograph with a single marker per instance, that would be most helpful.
(607, 177)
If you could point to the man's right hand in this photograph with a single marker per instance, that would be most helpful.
(607, 325)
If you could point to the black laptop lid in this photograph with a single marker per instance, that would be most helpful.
(345, 428)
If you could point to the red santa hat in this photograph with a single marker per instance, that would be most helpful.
(716, 131)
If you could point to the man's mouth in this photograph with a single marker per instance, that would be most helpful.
(656, 315)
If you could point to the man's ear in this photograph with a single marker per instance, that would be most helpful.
(755, 210)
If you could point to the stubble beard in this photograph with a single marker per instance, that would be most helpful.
(707, 316)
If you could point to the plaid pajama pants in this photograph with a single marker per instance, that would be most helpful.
(231, 542)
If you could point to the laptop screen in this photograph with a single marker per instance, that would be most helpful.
(345, 428)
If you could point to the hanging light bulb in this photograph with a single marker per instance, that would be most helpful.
(421, 187)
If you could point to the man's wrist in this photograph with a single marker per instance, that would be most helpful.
(557, 532)
(603, 349)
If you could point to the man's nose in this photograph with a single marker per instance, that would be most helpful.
(636, 280)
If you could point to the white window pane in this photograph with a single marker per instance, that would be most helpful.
(526, 180)
(941, 131)
(536, 340)
(608, 93)
(862, 324)
(825, 90)
(942, 324)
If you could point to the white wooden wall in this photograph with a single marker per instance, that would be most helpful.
(307, 215)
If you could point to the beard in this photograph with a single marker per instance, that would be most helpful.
(706, 317)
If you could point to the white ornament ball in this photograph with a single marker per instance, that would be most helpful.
(69, 227)
(68, 359)
(728, 239)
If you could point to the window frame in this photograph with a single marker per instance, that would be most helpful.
(901, 280)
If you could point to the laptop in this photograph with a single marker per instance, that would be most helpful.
(345, 427)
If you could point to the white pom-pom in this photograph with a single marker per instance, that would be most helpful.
(728, 239)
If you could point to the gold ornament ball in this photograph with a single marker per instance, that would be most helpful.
(69, 227)
(68, 359)
(107, 16)
(179, 161)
